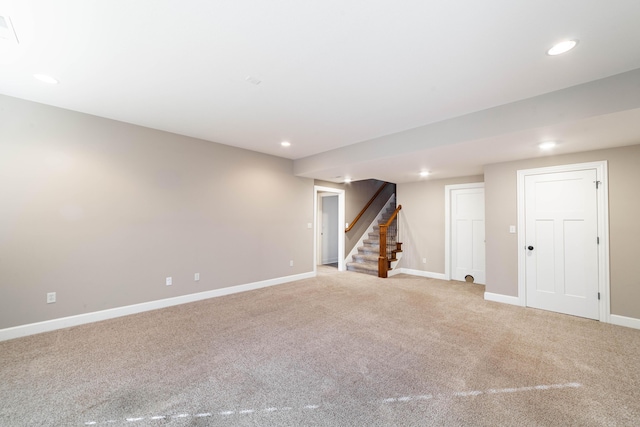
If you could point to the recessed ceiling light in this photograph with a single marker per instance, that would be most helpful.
(547, 145)
(285, 144)
(424, 173)
(46, 79)
(562, 47)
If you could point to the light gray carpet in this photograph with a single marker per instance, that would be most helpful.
(342, 349)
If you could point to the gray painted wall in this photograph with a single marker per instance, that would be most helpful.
(101, 212)
(422, 222)
(624, 227)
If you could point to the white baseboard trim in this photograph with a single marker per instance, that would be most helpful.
(505, 299)
(629, 322)
(394, 272)
(96, 316)
(421, 273)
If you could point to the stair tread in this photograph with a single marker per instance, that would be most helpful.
(366, 268)
(366, 257)
(369, 247)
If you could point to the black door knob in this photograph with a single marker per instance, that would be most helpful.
(530, 248)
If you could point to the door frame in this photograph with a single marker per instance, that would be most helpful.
(317, 189)
(448, 189)
(602, 196)
(320, 231)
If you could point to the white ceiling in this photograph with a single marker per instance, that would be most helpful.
(333, 73)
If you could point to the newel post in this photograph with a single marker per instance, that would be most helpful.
(383, 264)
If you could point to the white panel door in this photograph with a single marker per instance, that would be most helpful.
(561, 231)
(467, 234)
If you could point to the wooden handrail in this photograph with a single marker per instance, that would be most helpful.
(383, 261)
(351, 224)
(393, 216)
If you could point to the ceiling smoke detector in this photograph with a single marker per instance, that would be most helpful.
(253, 80)
(6, 30)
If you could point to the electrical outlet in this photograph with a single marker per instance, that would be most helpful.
(51, 297)
(196, 277)
(291, 263)
(309, 225)
(169, 281)
(424, 260)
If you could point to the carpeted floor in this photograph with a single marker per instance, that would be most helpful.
(342, 349)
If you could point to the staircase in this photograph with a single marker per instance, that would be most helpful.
(366, 260)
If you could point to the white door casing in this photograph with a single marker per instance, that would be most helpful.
(563, 244)
(465, 232)
(317, 223)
